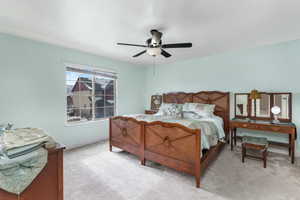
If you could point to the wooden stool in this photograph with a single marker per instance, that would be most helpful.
(256, 143)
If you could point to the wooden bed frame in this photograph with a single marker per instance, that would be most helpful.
(171, 144)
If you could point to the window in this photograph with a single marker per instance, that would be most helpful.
(90, 94)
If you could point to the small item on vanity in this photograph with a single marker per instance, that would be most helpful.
(256, 143)
(156, 101)
(151, 112)
(254, 95)
(275, 110)
(9, 126)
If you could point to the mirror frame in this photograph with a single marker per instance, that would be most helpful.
(290, 106)
(249, 107)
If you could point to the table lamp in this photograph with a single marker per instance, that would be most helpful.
(275, 110)
(254, 94)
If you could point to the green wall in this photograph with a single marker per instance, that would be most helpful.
(32, 85)
(32, 82)
(270, 68)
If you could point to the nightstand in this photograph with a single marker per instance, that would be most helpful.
(150, 112)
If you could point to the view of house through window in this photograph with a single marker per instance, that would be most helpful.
(90, 94)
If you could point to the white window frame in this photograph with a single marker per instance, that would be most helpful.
(96, 69)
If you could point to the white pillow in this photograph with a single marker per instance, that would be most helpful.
(190, 115)
(203, 110)
(170, 109)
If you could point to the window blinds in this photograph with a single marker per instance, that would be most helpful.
(96, 72)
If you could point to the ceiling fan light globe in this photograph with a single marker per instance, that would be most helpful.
(154, 51)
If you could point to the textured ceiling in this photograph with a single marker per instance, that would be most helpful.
(95, 26)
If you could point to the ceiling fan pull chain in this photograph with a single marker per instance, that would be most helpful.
(154, 66)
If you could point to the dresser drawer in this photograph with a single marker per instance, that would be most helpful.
(274, 128)
(264, 127)
(249, 126)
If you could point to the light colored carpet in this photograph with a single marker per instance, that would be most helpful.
(94, 173)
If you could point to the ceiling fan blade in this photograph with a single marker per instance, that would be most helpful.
(136, 55)
(165, 54)
(135, 45)
(177, 45)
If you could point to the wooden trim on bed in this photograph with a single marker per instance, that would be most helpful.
(171, 144)
(126, 133)
(198, 158)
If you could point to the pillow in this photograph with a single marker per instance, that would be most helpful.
(203, 110)
(170, 109)
(190, 115)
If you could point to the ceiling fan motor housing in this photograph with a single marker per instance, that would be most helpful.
(156, 38)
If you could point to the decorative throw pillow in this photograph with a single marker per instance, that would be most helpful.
(203, 110)
(170, 109)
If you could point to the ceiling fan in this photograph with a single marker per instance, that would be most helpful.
(154, 46)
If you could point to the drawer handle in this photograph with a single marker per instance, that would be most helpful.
(275, 128)
(245, 125)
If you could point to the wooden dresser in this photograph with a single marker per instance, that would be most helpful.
(48, 185)
(285, 128)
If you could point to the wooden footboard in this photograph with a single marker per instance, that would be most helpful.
(169, 144)
(175, 146)
(126, 133)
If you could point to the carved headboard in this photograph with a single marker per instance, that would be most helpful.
(220, 99)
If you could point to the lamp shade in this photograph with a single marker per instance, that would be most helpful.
(275, 110)
(154, 51)
(255, 94)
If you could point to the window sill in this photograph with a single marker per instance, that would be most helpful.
(69, 124)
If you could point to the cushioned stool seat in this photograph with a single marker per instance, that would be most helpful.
(257, 143)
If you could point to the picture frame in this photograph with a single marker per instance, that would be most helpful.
(156, 101)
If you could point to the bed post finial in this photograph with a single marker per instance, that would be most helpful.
(198, 158)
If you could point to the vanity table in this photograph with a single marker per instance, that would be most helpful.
(284, 127)
(255, 114)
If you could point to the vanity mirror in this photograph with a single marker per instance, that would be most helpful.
(283, 101)
(260, 108)
(241, 105)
